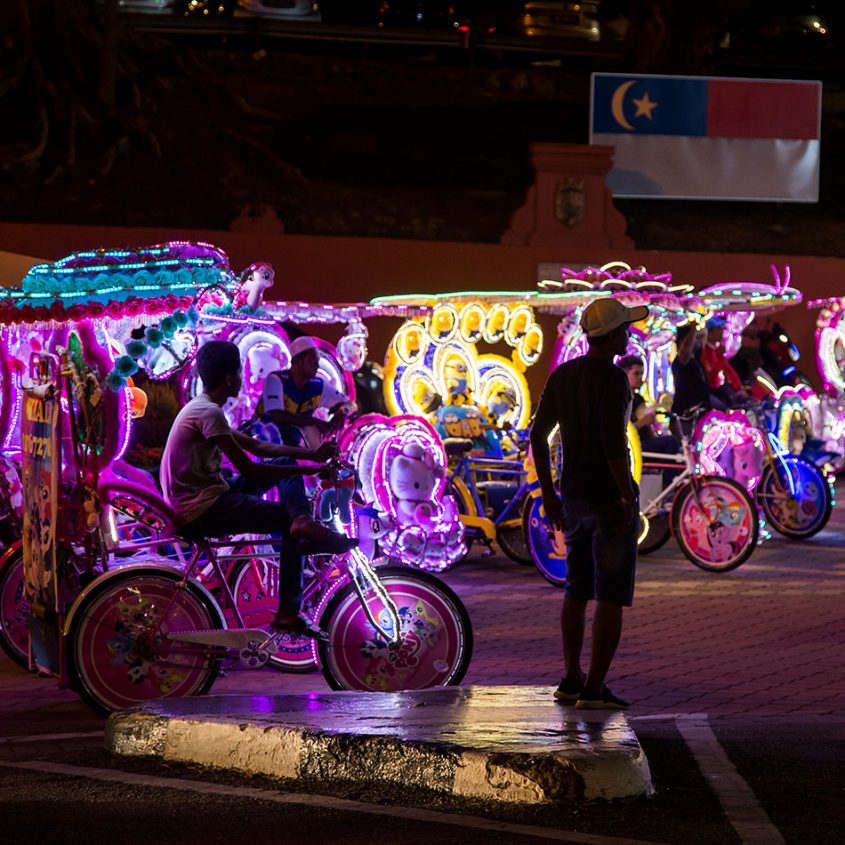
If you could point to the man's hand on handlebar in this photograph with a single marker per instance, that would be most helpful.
(324, 452)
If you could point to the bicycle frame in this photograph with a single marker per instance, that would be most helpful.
(465, 473)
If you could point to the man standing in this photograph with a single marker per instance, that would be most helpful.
(589, 398)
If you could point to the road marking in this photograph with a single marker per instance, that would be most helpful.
(741, 806)
(49, 737)
(324, 801)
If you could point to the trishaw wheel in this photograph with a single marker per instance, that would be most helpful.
(715, 522)
(118, 651)
(657, 532)
(436, 636)
(14, 607)
(547, 548)
(255, 586)
(511, 537)
(795, 496)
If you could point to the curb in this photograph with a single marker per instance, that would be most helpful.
(455, 741)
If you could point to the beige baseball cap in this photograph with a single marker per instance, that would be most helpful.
(302, 344)
(602, 316)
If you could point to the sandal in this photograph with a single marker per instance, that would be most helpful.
(301, 625)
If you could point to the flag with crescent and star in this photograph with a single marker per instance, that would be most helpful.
(685, 137)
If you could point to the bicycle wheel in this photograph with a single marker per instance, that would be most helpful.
(255, 587)
(466, 507)
(657, 532)
(547, 548)
(715, 522)
(436, 644)
(14, 607)
(118, 651)
(795, 496)
(510, 534)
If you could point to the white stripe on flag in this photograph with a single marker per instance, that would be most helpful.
(683, 167)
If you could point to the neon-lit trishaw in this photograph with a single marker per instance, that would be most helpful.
(462, 365)
(771, 445)
(712, 517)
(145, 625)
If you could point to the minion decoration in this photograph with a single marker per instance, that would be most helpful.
(497, 319)
(520, 320)
(472, 322)
(456, 372)
(443, 323)
(530, 347)
(469, 422)
(410, 343)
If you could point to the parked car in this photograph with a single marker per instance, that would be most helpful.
(560, 20)
(146, 7)
(294, 9)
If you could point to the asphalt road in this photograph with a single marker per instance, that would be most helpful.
(738, 684)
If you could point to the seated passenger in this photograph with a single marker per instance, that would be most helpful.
(643, 417)
(290, 398)
(209, 505)
(690, 378)
(723, 383)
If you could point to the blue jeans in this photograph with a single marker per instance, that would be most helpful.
(601, 560)
(241, 510)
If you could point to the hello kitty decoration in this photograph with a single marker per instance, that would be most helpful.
(352, 347)
(401, 466)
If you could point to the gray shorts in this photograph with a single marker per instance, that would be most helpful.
(601, 561)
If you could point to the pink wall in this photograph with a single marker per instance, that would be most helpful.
(322, 269)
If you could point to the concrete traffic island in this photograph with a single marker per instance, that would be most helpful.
(498, 743)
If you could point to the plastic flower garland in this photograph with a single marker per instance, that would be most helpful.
(154, 336)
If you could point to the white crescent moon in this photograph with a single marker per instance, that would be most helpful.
(617, 103)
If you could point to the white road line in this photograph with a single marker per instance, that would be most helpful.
(741, 806)
(325, 801)
(49, 737)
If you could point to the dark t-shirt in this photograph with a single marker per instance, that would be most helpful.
(690, 385)
(591, 402)
(746, 361)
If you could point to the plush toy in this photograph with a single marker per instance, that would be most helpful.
(352, 347)
(412, 476)
(254, 281)
(401, 466)
(263, 359)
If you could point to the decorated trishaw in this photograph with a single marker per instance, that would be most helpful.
(712, 518)
(118, 604)
(462, 365)
(780, 442)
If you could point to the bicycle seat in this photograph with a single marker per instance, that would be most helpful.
(457, 446)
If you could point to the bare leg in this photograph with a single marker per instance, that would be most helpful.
(607, 629)
(572, 619)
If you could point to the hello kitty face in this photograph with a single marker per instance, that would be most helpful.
(411, 478)
(262, 359)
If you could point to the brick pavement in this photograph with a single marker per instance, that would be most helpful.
(694, 641)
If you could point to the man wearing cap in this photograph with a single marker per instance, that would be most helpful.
(590, 399)
(290, 398)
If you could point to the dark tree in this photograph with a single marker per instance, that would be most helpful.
(677, 36)
(72, 96)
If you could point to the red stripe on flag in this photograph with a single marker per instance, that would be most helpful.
(751, 109)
